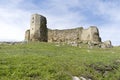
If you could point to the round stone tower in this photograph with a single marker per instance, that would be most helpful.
(38, 28)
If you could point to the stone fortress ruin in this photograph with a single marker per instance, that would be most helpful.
(39, 32)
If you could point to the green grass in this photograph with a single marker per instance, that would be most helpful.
(45, 61)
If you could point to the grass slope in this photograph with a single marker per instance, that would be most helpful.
(46, 61)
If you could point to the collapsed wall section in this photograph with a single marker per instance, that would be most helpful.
(27, 35)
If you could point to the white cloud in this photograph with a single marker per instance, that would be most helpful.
(110, 30)
(13, 24)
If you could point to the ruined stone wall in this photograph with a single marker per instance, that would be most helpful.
(90, 34)
(27, 35)
(68, 35)
(74, 35)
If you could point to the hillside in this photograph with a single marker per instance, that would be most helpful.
(49, 61)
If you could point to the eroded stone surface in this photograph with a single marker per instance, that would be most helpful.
(106, 44)
(74, 35)
(39, 32)
(38, 29)
(27, 35)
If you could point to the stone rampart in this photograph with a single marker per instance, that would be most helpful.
(74, 35)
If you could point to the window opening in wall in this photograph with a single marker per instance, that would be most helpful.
(32, 19)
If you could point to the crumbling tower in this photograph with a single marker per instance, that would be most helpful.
(38, 29)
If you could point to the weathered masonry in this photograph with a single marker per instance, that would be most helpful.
(39, 32)
(38, 29)
(74, 35)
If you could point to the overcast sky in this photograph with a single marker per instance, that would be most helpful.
(60, 14)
